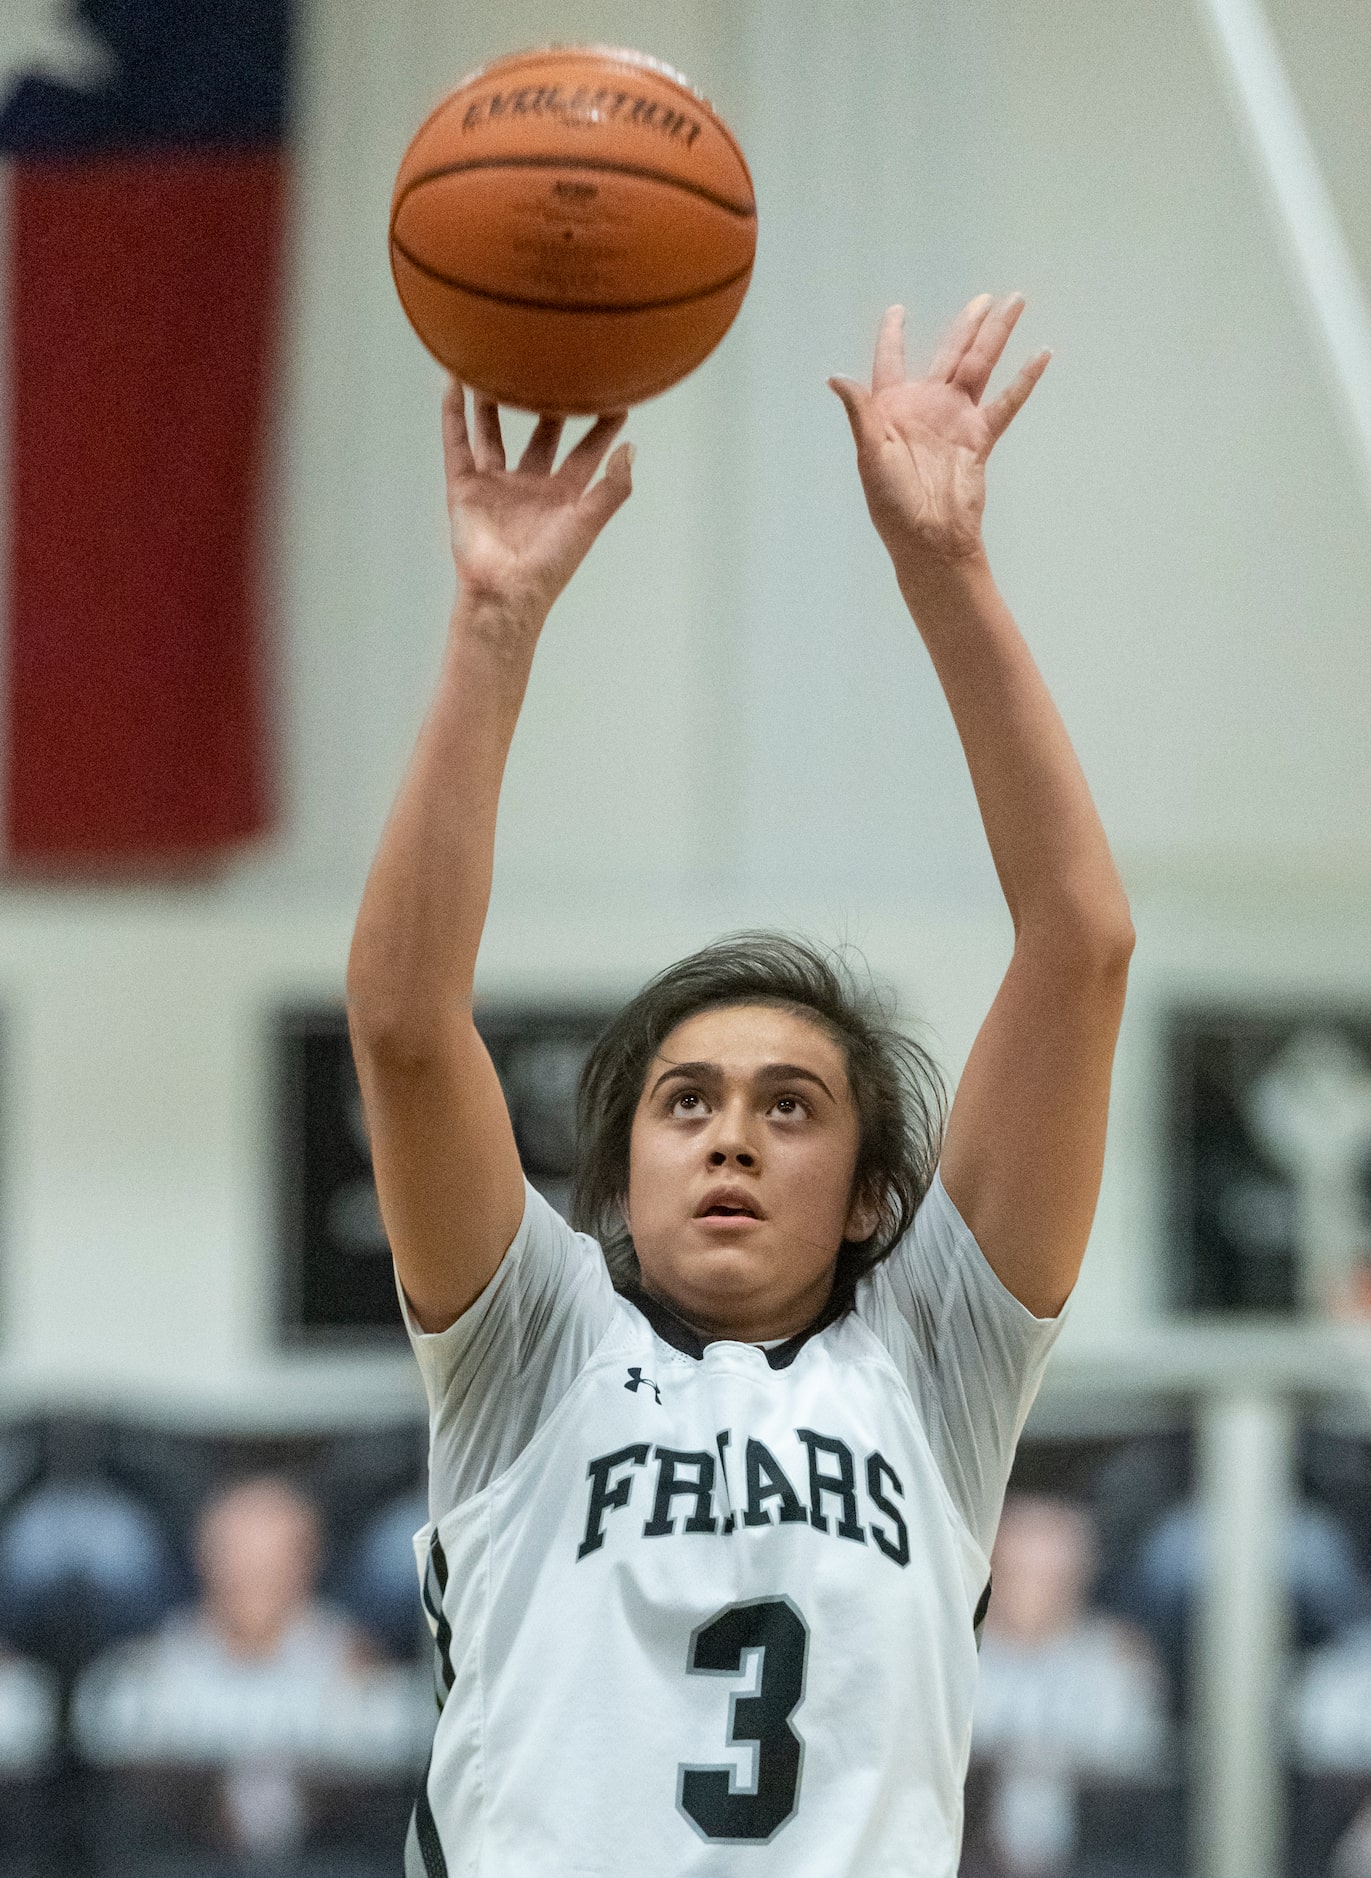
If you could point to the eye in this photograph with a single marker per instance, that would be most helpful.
(687, 1102)
(790, 1105)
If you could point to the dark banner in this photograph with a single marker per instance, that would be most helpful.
(1270, 1160)
(336, 1278)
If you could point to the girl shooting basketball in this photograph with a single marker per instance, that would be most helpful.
(708, 1552)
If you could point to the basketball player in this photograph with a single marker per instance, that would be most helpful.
(708, 1553)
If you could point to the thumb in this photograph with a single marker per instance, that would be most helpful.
(613, 488)
(856, 401)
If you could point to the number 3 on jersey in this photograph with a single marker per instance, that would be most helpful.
(711, 1797)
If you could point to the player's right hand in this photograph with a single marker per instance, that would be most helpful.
(519, 535)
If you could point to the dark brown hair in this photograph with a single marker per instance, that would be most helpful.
(897, 1088)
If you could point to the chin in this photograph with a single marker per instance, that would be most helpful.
(709, 1281)
(716, 1285)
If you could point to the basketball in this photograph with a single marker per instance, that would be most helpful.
(572, 229)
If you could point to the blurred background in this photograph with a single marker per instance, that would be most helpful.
(227, 583)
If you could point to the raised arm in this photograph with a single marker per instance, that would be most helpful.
(1025, 1139)
(447, 1171)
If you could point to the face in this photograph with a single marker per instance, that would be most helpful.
(257, 1550)
(741, 1163)
(1041, 1563)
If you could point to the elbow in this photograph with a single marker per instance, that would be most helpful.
(391, 1035)
(388, 1021)
(1112, 937)
(1128, 938)
(373, 1016)
(1091, 934)
(403, 1023)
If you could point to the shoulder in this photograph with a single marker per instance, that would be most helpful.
(939, 1272)
(549, 1274)
(498, 1375)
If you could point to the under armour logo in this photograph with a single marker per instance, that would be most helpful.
(637, 1380)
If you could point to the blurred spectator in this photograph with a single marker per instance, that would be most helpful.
(29, 1710)
(1332, 1705)
(261, 1686)
(1331, 1726)
(1327, 1588)
(1065, 1694)
(82, 1563)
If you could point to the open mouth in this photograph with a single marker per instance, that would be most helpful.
(729, 1206)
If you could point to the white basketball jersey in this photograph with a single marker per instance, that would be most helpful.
(717, 1614)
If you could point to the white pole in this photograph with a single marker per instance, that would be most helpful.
(1246, 1462)
(1317, 247)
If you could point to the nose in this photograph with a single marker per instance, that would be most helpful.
(732, 1142)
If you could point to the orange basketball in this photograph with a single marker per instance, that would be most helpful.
(572, 229)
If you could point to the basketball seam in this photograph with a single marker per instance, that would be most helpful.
(560, 306)
(571, 163)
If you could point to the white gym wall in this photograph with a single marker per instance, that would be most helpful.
(731, 721)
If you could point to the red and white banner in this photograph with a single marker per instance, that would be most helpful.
(142, 157)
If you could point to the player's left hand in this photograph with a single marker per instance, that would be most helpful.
(922, 443)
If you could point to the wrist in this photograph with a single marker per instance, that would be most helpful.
(501, 621)
(930, 583)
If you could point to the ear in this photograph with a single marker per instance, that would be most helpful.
(863, 1217)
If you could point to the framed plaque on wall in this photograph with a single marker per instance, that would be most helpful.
(1270, 1160)
(335, 1276)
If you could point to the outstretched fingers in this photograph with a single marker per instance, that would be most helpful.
(457, 458)
(582, 462)
(612, 490)
(889, 367)
(1002, 411)
(856, 401)
(983, 354)
(540, 452)
(961, 335)
(490, 445)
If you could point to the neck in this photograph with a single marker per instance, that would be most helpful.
(766, 1325)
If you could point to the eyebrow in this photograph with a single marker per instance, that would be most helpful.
(770, 1072)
